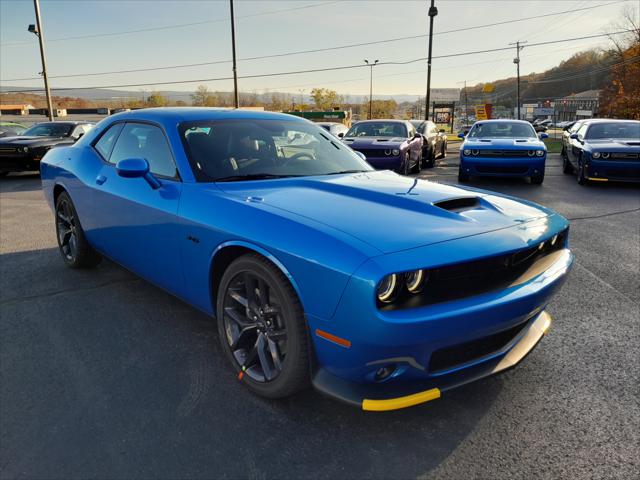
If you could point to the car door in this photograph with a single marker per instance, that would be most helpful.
(135, 224)
(415, 144)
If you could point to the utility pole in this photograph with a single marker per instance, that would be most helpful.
(37, 30)
(466, 105)
(371, 65)
(433, 11)
(517, 62)
(236, 98)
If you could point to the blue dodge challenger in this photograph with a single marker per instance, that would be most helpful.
(502, 148)
(380, 290)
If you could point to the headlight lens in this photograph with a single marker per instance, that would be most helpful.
(466, 151)
(388, 288)
(605, 155)
(595, 154)
(415, 280)
(395, 151)
(531, 153)
(475, 152)
(539, 153)
(25, 149)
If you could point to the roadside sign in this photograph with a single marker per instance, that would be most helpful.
(481, 113)
(488, 88)
(443, 95)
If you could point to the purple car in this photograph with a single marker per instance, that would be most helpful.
(387, 144)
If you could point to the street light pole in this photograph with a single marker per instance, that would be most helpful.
(236, 98)
(37, 29)
(371, 65)
(517, 62)
(433, 11)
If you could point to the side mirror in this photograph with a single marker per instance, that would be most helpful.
(573, 136)
(361, 155)
(461, 135)
(137, 168)
(79, 136)
(543, 136)
(341, 134)
(417, 135)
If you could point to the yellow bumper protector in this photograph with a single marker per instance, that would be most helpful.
(400, 402)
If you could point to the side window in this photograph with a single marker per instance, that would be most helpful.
(582, 131)
(139, 140)
(107, 140)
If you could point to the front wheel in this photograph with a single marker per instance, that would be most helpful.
(567, 168)
(262, 327)
(537, 179)
(418, 166)
(462, 176)
(444, 150)
(72, 243)
(581, 177)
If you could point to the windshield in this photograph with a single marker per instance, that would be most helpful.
(244, 149)
(49, 130)
(614, 130)
(417, 123)
(502, 130)
(378, 129)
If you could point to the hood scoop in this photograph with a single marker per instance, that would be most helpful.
(457, 205)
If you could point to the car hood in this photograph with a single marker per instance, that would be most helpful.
(367, 142)
(22, 141)
(388, 211)
(631, 145)
(511, 143)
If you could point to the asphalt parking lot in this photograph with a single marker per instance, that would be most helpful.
(102, 375)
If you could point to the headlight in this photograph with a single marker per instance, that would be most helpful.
(540, 153)
(531, 153)
(606, 155)
(475, 152)
(396, 152)
(466, 151)
(388, 288)
(595, 154)
(415, 280)
(25, 149)
(387, 152)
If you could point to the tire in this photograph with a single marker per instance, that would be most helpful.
(567, 168)
(563, 153)
(444, 150)
(418, 166)
(431, 158)
(72, 242)
(580, 177)
(537, 179)
(271, 352)
(404, 169)
(462, 177)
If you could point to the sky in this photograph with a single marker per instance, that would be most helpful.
(265, 27)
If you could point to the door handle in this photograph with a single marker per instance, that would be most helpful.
(100, 179)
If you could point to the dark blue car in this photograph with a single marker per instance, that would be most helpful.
(387, 144)
(380, 290)
(502, 148)
(602, 150)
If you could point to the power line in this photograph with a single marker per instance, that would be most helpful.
(316, 70)
(179, 25)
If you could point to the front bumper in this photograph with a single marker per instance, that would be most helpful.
(369, 398)
(19, 163)
(614, 170)
(502, 167)
(385, 163)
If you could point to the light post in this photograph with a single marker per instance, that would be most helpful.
(371, 65)
(236, 98)
(433, 11)
(37, 30)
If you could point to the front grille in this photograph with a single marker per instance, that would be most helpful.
(512, 169)
(503, 153)
(8, 150)
(374, 152)
(466, 279)
(624, 156)
(456, 355)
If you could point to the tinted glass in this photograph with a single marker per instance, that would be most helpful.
(582, 130)
(108, 139)
(378, 129)
(502, 130)
(239, 148)
(145, 141)
(614, 130)
(52, 129)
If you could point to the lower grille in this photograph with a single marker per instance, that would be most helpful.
(502, 169)
(374, 152)
(503, 153)
(625, 156)
(6, 150)
(456, 355)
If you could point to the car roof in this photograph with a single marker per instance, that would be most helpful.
(503, 120)
(390, 120)
(65, 122)
(328, 123)
(607, 120)
(185, 114)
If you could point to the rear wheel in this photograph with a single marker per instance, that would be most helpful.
(72, 243)
(262, 328)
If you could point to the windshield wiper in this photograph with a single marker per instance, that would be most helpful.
(252, 176)
(347, 171)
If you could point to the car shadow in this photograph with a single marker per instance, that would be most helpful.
(133, 382)
(22, 182)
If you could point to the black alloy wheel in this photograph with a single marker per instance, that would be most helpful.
(262, 328)
(73, 246)
(567, 168)
(581, 177)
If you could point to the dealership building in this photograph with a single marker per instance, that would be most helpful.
(577, 106)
